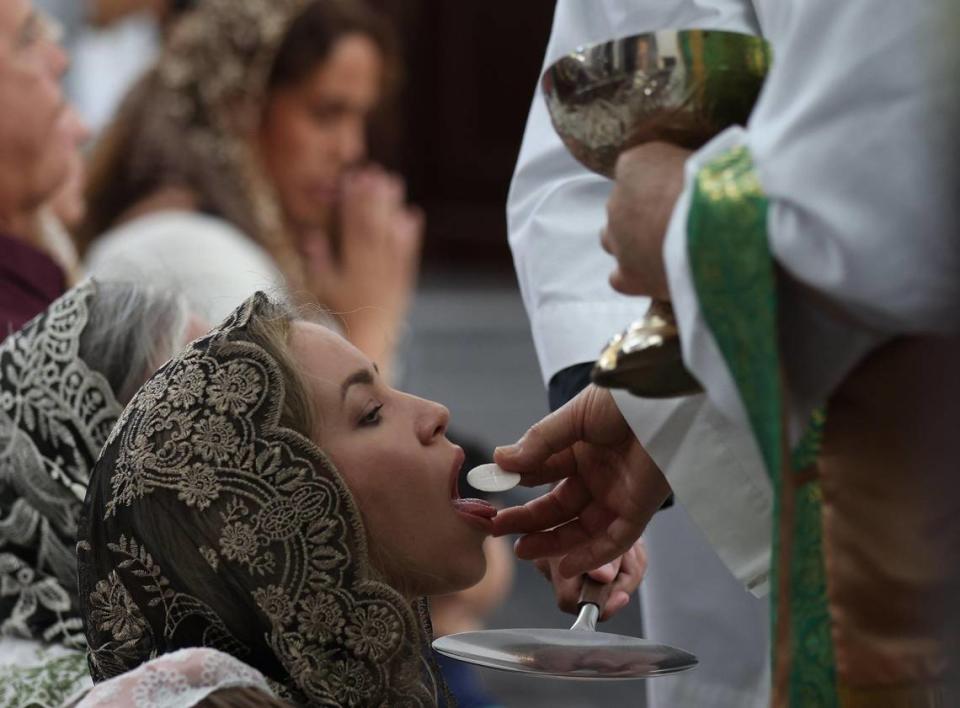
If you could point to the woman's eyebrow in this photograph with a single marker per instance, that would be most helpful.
(362, 376)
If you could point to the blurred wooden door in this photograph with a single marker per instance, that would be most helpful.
(471, 70)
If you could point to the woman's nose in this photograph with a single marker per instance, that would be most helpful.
(432, 421)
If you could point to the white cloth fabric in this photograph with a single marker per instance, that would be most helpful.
(105, 62)
(696, 448)
(555, 212)
(207, 259)
(851, 141)
(690, 601)
(180, 679)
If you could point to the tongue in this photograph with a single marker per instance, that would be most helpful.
(475, 507)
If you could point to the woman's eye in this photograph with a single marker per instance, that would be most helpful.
(371, 418)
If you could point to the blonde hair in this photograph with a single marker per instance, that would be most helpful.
(131, 331)
(271, 332)
(241, 697)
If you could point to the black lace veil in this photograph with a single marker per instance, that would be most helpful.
(207, 523)
(55, 415)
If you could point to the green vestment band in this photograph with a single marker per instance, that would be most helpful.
(736, 283)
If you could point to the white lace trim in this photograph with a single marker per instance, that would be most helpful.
(180, 679)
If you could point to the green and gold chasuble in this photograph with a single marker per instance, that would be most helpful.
(865, 524)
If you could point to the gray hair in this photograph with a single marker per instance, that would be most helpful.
(132, 330)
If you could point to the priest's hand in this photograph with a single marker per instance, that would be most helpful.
(649, 180)
(624, 573)
(608, 487)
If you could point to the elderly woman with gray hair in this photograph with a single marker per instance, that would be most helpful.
(64, 379)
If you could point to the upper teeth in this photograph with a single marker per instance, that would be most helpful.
(490, 478)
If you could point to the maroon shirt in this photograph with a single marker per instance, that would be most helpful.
(29, 281)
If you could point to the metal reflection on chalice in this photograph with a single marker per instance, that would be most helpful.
(677, 86)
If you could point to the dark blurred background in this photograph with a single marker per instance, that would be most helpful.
(455, 129)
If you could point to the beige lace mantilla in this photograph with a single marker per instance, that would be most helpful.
(209, 524)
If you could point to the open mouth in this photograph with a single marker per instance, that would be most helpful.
(478, 512)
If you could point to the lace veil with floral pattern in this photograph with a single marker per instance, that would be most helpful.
(55, 415)
(207, 523)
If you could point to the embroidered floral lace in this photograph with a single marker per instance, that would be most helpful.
(55, 415)
(208, 524)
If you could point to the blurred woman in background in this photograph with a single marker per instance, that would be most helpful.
(233, 166)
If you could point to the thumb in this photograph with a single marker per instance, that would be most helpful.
(606, 573)
(555, 433)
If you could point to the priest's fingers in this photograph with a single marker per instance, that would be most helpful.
(633, 566)
(602, 548)
(555, 469)
(561, 504)
(567, 537)
(606, 573)
(567, 590)
(557, 432)
(556, 542)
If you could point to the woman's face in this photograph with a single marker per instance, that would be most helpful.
(35, 140)
(314, 130)
(391, 450)
(69, 203)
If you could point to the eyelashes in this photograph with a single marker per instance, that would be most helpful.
(371, 418)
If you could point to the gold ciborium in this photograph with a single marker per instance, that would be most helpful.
(681, 87)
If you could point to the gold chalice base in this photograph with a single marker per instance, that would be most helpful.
(646, 360)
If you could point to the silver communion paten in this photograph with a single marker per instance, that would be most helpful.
(681, 87)
(580, 652)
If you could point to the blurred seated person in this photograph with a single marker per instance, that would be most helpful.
(35, 145)
(269, 495)
(63, 381)
(232, 167)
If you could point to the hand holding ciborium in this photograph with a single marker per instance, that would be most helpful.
(681, 87)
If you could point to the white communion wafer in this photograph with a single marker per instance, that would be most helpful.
(490, 478)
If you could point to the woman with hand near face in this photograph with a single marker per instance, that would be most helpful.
(235, 166)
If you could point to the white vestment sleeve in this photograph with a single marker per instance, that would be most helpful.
(716, 472)
(851, 143)
(555, 212)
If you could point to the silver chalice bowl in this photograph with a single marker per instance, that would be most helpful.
(676, 86)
